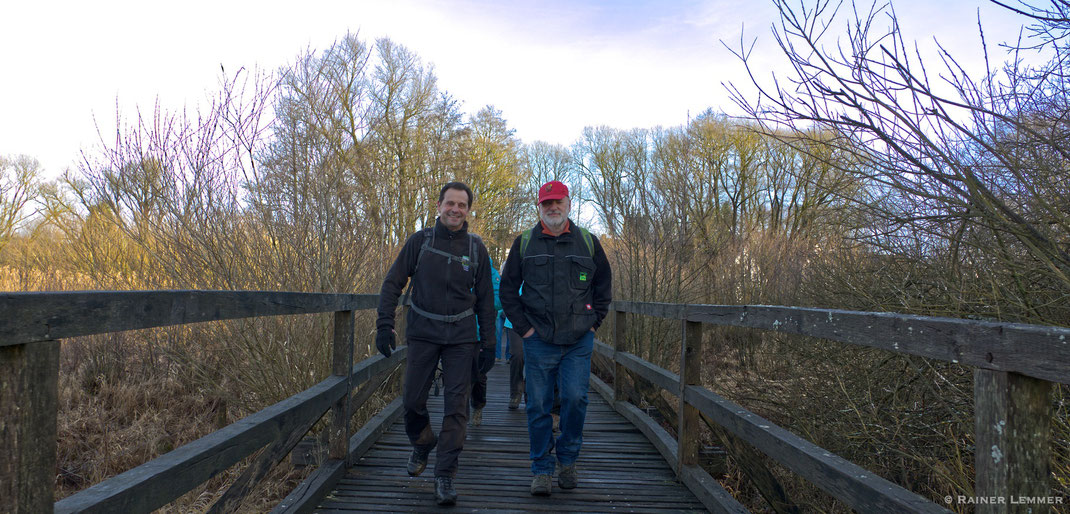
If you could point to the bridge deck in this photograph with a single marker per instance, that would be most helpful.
(620, 471)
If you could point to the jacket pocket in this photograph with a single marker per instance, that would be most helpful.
(581, 272)
(537, 269)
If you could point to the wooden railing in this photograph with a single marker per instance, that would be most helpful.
(1014, 364)
(32, 324)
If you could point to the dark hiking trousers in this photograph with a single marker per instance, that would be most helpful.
(516, 362)
(420, 367)
(479, 386)
(516, 370)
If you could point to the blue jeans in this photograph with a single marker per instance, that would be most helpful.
(570, 368)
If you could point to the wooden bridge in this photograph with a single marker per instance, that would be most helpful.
(1015, 366)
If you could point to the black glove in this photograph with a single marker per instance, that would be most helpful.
(384, 341)
(486, 359)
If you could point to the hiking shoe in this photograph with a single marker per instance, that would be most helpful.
(567, 478)
(514, 402)
(477, 417)
(418, 458)
(445, 494)
(540, 485)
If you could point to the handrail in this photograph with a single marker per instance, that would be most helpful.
(29, 357)
(38, 317)
(1033, 350)
(165, 478)
(1014, 363)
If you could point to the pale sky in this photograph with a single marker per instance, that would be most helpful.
(551, 67)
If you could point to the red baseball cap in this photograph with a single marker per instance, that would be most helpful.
(552, 190)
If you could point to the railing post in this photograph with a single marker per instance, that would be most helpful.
(620, 324)
(1013, 434)
(29, 380)
(341, 365)
(690, 374)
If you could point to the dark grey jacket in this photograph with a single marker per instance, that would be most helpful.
(567, 290)
(441, 286)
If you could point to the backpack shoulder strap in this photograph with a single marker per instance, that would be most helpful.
(587, 241)
(474, 241)
(525, 238)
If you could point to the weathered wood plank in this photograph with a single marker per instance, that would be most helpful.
(34, 317)
(163, 479)
(29, 377)
(660, 377)
(620, 327)
(1013, 434)
(619, 469)
(714, 497)
(655, 309)
(341, 364)
(858, 488)
(1033, 350)
(662, 441)
(304, 497)
(690, 374)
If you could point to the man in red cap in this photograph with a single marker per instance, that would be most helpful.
(567, 288)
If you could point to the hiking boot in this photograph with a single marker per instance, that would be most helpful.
(514, 402)
(540, 485)
(445, 494)
(567, 478)
(418, 458)
(477, 417)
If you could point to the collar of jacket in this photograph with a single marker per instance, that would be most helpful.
(442, 231)
(540, 230)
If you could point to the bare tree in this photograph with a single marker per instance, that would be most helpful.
(952, 161)
(19, 184)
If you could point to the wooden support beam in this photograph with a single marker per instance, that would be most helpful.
(341, 364)
(620, 325)
(688, 434)
(29, 381)
(1013, 434)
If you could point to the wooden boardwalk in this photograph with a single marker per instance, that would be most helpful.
(620, 471)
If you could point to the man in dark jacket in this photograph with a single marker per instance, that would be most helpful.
(567, 290)
(451, 289)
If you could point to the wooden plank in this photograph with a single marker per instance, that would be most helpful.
(660, 377)
(620, 327)
(857, 487)
(619, 469)
(712, 495)
(688, 433)
(305, 496)
(655, 309)
(341, 364)
(710, 492)
(34, 317)
(1033, 350)
(165, 478)
(230, 500)
(29, 376)
(373, 429)
(658, 436)
(310, 491)
(1013, 434)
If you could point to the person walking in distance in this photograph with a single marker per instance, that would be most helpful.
(567, 287)
(450, 290)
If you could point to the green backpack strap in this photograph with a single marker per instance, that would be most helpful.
(587, 241)
(525, 238)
